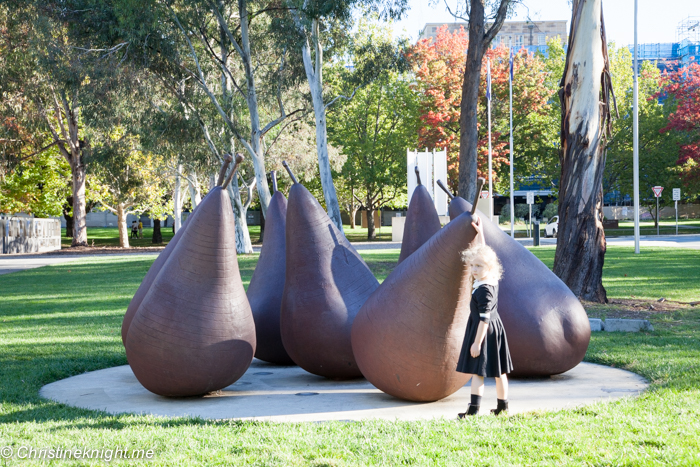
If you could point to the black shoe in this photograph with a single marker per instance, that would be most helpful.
(502, 406)
(472, 410)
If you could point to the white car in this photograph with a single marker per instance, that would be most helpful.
(550, 230)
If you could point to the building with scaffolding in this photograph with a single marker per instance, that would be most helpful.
(673, 55)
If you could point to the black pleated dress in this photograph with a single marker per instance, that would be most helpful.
(494, 359)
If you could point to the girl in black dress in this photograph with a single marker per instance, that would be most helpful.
(485, 348)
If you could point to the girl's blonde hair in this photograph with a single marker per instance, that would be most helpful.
(485, 255)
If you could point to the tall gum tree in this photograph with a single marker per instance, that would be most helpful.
(585, 92)
(481, 34)
(310, 18)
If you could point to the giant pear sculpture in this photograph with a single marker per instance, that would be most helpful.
(548, 329)
(193, 332)
(422, 221)
(408, 335)
(325, 285)
(267, 284)
(158, 264)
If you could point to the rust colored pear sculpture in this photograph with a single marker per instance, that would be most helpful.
(422, 221)
(193, 332)
(267, 284)
(158, 265)
(408, 335)
(548, 329)
(326, 284)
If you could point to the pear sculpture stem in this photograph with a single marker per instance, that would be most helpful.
(222, 173)
(479, 185)
(289, 171)
(417, 175)
(444, 188)
(273, 176)
(239, 159)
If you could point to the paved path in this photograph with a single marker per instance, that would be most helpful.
(9, 263)
(290, 394)
(670, 241)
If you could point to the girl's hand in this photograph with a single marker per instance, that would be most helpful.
(477, 226)
(479, 237)
(475, 350)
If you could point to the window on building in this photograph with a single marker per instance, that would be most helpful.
(541, 39)
(496, 41)
(518, 42)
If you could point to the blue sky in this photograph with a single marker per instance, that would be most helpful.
(657, 19)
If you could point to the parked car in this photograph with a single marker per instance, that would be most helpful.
(550, 230)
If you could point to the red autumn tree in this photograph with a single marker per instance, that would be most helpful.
(439, 68)
(683, 85)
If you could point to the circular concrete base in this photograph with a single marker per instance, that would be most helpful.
(290, 394)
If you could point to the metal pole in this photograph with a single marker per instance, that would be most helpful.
(676, 203)
(488, 71)
(512, 197)
(657, 216)
(529, 220)
(635, 125)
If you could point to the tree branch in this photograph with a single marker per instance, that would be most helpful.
(498, 21)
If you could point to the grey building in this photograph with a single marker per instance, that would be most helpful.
(517, 33)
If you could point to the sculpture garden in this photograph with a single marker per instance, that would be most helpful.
(291, 342)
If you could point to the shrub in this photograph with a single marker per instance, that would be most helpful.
(550, 211)
(505, 214)
(521, 210)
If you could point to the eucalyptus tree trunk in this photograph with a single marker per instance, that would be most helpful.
(157, 237)
(584, 93)
(79, 211)
(314, 75)
(479, 41)
(257, 151)
(243, 243)
(123, 228)
(177, 199)
(66, 135)
(195, 191)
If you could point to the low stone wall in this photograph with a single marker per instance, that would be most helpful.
(27, 235)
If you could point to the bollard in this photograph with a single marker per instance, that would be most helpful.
(536, 233)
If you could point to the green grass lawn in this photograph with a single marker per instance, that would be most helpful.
(64, 320)
(109, 236)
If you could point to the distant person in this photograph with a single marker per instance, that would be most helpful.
(134, 230)
(140, 229)
(485, 349)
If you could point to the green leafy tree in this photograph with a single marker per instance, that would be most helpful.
(54, 73)
(658, 150)
(374, 128)
(130, 180)
(36, 185)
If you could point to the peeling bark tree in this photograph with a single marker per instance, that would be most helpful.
(64, 127)
(314, 74)
(479, 41)
(584, 93)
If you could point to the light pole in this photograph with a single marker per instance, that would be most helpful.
(635, 147)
